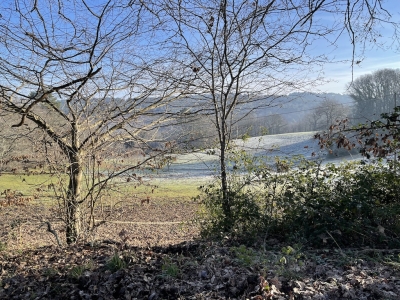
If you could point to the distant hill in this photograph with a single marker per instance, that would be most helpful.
(295, 106)
(292, 107)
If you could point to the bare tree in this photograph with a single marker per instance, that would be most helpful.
(196, 131)
(327, 113)
(375, 93)
(275, 124)
(241, 55)
(99, 61)
(254, 125)
(7, 143)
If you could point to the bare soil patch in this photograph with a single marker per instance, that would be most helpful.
(157, 223)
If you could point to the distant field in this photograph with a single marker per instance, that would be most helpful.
(39, 187)
(179, 180)
(284, 145)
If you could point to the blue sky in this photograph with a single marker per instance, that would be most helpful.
(374, 57)
(340, 74)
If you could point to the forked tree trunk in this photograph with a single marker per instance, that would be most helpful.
(72, 205)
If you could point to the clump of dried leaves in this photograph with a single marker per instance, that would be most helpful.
(197, 270)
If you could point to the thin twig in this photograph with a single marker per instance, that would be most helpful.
(52, 231)
(341, 251)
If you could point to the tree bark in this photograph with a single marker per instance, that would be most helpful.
(73, 212)
(226, 203)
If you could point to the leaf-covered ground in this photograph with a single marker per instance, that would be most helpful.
(164, 261)
(191, 271)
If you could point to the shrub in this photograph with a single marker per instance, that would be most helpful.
(355, 203)
(245, 215)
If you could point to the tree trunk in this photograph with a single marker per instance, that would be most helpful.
(72, 205)
(226, 205)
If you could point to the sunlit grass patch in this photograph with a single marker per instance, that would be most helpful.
(155, 190)
(41, 188)
(28, 185)
(169, 189)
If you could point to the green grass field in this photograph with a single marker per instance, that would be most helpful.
(169, 189)
(40, 186)
(28, 185)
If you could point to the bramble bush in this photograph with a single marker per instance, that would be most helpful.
(352, 204)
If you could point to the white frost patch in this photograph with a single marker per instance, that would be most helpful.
(288, 144)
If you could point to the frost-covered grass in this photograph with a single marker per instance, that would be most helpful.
(205, 162)
(298, 143)
(283, 144)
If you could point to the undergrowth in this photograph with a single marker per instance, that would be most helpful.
(116, 262)
(352, 204)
